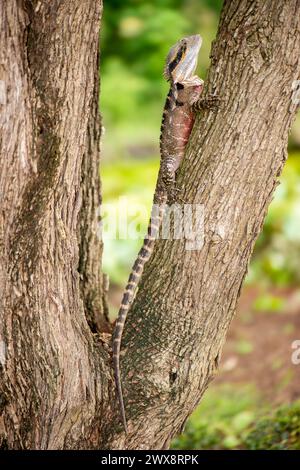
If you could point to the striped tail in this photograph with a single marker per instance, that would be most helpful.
(136, 272)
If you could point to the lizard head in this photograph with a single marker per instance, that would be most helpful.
(182, 59)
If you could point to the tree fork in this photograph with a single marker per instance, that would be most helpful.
(56, 383)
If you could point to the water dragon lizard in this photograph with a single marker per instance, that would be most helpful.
(182, 103)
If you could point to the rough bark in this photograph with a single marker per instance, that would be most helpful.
(56, 386)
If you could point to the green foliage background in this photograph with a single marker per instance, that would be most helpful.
(136, 37)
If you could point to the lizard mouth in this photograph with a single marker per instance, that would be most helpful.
(194, 80)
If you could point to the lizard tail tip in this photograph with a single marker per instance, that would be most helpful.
(125, 424)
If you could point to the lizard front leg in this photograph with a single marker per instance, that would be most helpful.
(210, 102)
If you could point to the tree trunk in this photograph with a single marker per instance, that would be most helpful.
(56, 386)
(50, 271)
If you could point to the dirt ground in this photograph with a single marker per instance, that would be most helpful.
(258, 349)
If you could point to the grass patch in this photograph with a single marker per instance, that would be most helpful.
(235, 418)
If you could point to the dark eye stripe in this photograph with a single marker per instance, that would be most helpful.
(178, 58)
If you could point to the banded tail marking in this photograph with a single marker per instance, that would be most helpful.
(137, 269)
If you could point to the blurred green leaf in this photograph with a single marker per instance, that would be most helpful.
(242, 420)
(279, 431)
(221, 419)
(269, 303)
(243, 347)
(231, 442)
(230, 418)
